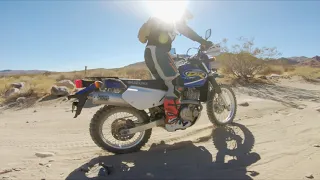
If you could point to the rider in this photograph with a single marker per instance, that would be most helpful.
(159, 36)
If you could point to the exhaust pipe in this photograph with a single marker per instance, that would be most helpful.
(108, 98)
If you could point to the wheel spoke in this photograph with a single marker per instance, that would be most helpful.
(113, 139)
(217, 108)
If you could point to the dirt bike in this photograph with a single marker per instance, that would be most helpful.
(142, 101)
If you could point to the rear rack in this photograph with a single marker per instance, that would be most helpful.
(86, 83)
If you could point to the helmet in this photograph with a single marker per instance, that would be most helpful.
(186, 16)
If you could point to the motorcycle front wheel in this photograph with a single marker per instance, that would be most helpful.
(216, 107)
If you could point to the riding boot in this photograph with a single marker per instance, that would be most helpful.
(172, 122)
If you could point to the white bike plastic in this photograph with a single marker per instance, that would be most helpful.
(143, 98)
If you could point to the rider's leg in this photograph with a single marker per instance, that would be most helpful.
(167, 70)
(150, 64)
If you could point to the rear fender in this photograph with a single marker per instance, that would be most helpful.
(81, 98)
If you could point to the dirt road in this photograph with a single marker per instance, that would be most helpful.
(277, 137)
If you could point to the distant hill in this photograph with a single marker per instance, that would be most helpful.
(297, 60)
(313, 62)
(136, 65)
(9, 72)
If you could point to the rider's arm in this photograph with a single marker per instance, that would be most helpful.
(185, 30)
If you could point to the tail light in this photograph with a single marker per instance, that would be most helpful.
(98, 84)
(78, 83)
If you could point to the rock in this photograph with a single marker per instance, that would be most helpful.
(27, 122)
(44, 154)
(244, 104)
(316, 145)
(150, 175)
(17, 169)
(35, 111)
(76, 90)
(67, 83)
(48, 165)
(42, 164)
(318, 110)
(85, 168)
(274, 76)
(21, 100)
(51, 160)
(5, 171)
(11, 92)
(309, 175)
(12, 104)
(18, 85)
(59, 90)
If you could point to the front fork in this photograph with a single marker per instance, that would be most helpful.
(216, 88)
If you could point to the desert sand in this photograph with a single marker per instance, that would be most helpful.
(275, 137)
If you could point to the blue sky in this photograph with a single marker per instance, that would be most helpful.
(67, 35)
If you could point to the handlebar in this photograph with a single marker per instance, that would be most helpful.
(200, 48)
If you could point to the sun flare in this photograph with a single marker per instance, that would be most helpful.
(167, 10)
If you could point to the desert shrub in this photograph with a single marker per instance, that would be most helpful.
(61, 77)
(244, 60)
(47, 73)
(27, 93)
(272, 69)
(288, 68)
(307, 73)
(96, 74)
(76, 76)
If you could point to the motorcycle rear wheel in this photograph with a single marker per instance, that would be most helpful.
(103, 115)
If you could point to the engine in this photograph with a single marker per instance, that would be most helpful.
(190, 112)
(191, 94)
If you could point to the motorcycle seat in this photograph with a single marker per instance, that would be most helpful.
(152, 84)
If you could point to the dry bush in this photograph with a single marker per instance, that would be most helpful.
(38, 85)
(307, 73)
(288, 68)
(35, 86)
(272, 69)
(244, 60)
(27, 93)
(61, 77)
(75, 76)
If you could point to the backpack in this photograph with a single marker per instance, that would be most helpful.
(147, 27)
(144, 31)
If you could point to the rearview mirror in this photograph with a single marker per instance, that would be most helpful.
(173, 51)
(208, 34)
